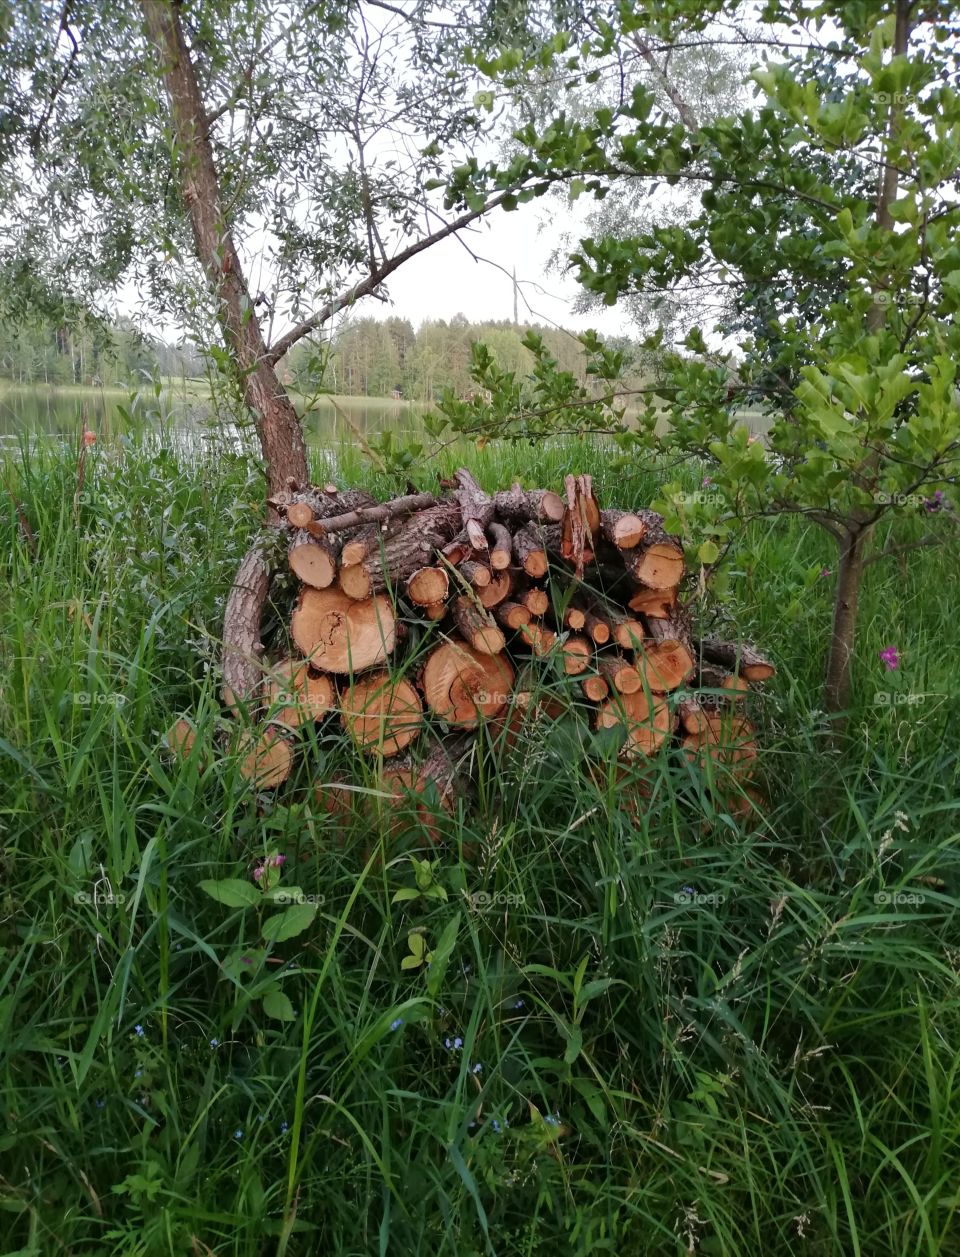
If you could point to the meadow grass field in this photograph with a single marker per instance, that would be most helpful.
(656, 1033)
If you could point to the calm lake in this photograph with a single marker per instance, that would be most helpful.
(189, 414)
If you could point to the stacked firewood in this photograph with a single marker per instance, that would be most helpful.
(434, 614)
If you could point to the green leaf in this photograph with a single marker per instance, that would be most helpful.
(401, 896)
(278, 1006)
(288, 924)
(232, 892)
(442, 953)
(709, 552)
(574, 1038)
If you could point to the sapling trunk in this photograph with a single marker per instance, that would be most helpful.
(843, 634)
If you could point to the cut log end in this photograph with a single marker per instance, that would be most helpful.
(464, 686)
(382, 714)
(338, 634)
(428, 586)
(648, 721)
(293, 696)
(266, 759)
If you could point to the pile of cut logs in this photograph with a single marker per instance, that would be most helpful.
(435, 614)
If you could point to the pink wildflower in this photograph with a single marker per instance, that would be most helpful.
(891, 657)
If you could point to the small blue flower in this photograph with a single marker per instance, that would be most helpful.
(458, 1043)
(477, 1069)
(688, 890)
(137, 1073)
(238, 1133)
(552, 1120)
(395, 1025)
(518, 1004)
(262, 1117)
(284, 1127)
(214, 1042)
(101, 1104)
(139, 1031)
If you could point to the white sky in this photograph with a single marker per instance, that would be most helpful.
(446, 279)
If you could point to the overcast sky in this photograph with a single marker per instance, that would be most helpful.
(472, 275)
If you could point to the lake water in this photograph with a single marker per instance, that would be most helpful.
(188, 416)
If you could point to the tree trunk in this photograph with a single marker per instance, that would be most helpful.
(843, 634)
(278, 428)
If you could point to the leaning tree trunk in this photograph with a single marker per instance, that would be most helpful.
(278, 428)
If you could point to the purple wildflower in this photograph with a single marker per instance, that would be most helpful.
(139, 1031)
(891, 657)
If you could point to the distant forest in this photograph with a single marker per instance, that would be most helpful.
(383, 358)
(45, 352)
(365, 357)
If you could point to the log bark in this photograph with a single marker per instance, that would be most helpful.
(733, 686)
(411, 548)
(580, 528)
(657, 561)
(476, 508)
(478, 574)
(477, 627)
(242, 648)
(377, 512)
(529, 552)
(738, 657)
(619, 674)
(501, 546)
(517, 506)
(622, 529)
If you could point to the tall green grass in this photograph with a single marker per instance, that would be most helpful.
(694, 1033)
